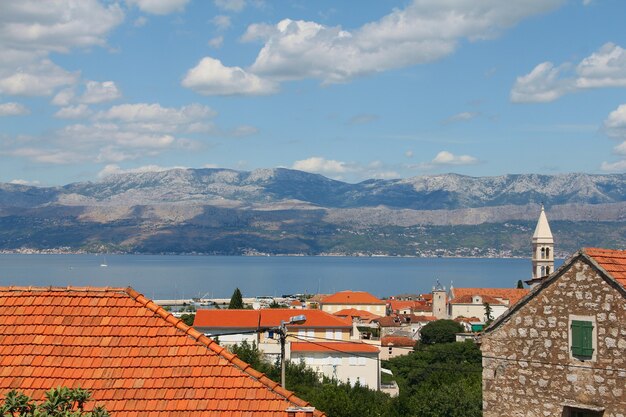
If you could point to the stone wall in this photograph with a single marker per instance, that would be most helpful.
(539, 376)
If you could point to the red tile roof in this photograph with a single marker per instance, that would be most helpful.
(269, 317)
(469, 299)
(613, 262)
(511, 294)
(353, 312)
(352, 297)
(346, 347)
(399, 341)
(412, 305)
(134, 357)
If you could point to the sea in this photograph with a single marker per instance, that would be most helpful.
(185, 276)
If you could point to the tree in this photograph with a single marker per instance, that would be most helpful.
(236, 301)
(188, 319)
(488, 315)
(520, 284)
(60, 402)
(440, 331)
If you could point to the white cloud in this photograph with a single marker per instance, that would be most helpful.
(615, 123)
(100, 92)
(80, 111)
(618, 166)
(445, 158)
(30, 31)
(422, 32)
(321, 165)
(47, 156)
(124, 132)
(462, 117)
(40, 78)
(159, 7)
(64, 97)
(24, 182)
(615, 127)
(221, 22)
(154, 117)
(113, 169)
(448, 158)
(211, 77)
(140, 22)
(231, 5)
(13, 109)
(547, 82)
(243, 131)
(344, 170)
(216, 42)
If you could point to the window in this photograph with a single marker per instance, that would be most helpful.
(582, 339)
(338, 335)
(580, 412)
(329, 334)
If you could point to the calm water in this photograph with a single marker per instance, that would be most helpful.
(216, 276)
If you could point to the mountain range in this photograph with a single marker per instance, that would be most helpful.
(283, 211)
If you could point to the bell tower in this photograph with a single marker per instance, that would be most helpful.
(543, 248)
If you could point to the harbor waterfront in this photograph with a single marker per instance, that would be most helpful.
(176, 277)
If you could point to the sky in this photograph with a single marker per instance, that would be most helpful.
(351, 90)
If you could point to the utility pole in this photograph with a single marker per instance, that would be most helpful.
(282, 332)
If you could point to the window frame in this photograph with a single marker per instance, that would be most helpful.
(583, 322)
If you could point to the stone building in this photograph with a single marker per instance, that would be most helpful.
(561, 350)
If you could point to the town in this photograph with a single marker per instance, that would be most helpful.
(553, 345)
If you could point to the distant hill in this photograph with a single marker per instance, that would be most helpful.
(283, 211)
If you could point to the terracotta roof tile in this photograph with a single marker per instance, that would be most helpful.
(399, 341)
(468, 299)
(134, 357)
(613, 262)
(513, 295)
(271, 317)
(353, 312)
(352, 297)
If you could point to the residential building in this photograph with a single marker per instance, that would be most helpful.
(560, 351)
(359, 300)
(324, 340)
(347, 362)
(393, 346)
(135, 358)
(236, 326)
(407, 325)
(470, 302)
(422, 307)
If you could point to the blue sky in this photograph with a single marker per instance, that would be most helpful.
(351, 90)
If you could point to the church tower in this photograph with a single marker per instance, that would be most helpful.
(543, 248)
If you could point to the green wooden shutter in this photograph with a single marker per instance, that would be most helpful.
(587, 331)
(582, 339)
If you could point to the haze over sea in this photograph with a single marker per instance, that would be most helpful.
(165, 277)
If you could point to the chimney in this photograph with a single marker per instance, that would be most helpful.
(300, 411)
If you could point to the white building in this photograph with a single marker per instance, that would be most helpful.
(345, 362)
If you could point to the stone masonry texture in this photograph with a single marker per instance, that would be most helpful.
(538, 376)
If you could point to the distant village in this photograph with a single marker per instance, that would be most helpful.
(553, 346)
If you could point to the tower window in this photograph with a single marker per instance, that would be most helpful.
(548, 253)
(547, 270)
(543, 253)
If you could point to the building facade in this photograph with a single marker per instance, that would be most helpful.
(358, 300)
(561, 350)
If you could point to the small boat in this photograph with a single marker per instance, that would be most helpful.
(104, 263)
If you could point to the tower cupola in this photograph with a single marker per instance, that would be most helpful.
(543, 247)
